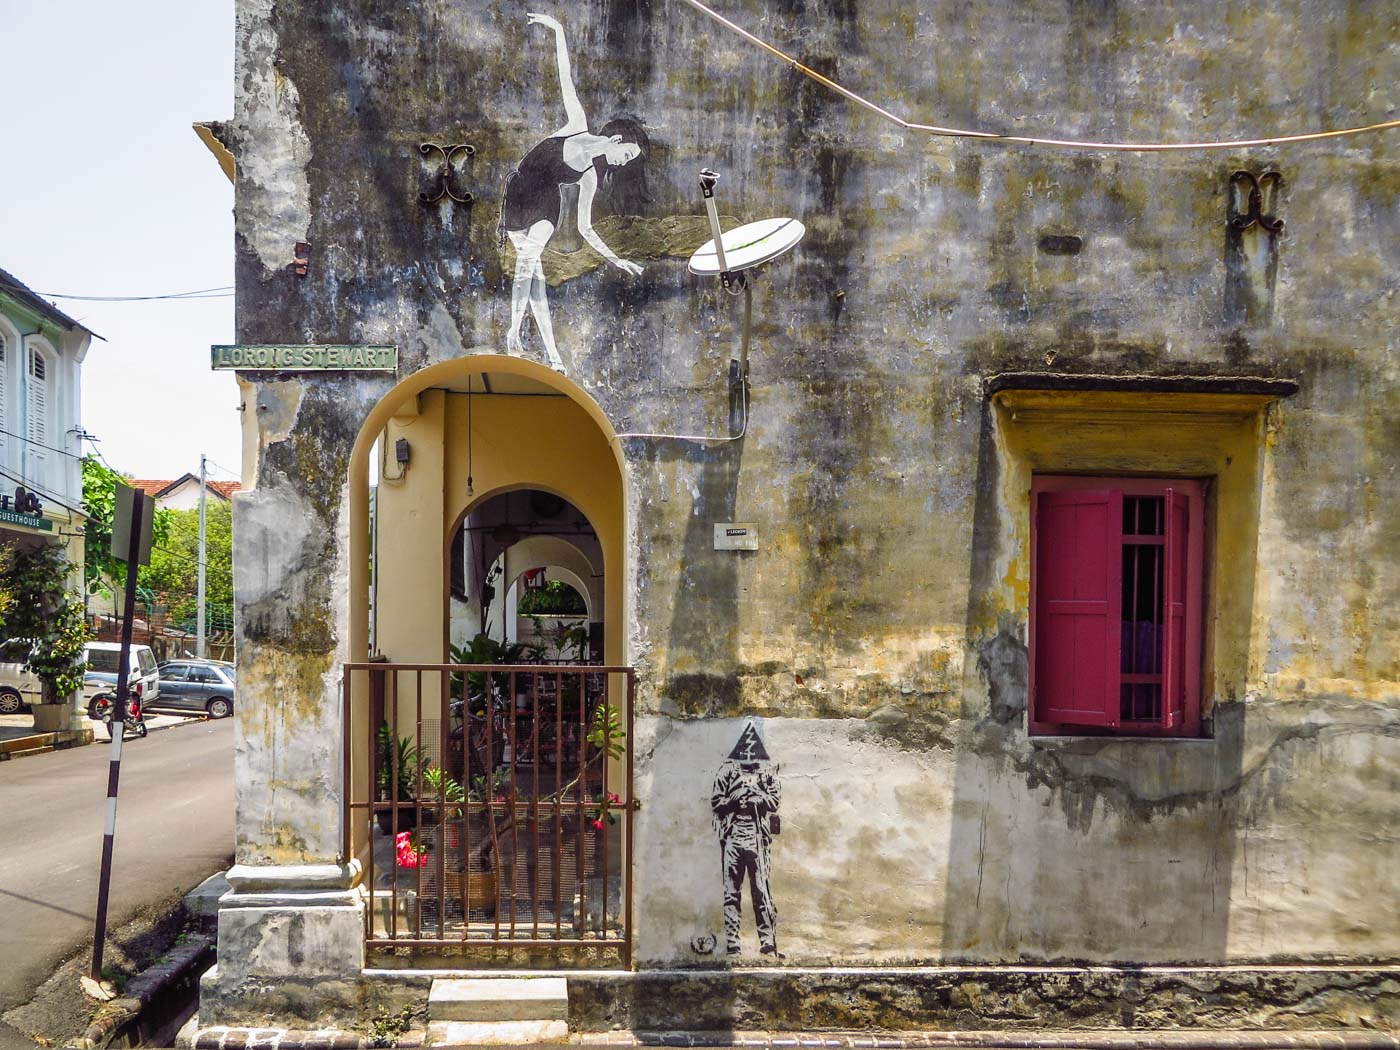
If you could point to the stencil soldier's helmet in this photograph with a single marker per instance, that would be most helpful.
(749, 749)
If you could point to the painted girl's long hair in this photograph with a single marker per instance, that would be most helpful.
(626, 183)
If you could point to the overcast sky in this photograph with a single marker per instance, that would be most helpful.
(105, 190)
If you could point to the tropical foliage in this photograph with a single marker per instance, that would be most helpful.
(39, 606)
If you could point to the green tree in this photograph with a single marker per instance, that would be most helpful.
(103, 570)
(45, 611)
(174, 569)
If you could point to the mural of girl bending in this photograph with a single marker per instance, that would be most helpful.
(573, 155)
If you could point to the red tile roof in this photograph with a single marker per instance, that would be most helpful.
(156, 488)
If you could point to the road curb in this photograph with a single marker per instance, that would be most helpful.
(45, 743)
(168, 983)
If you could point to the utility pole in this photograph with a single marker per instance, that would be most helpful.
(203, 557)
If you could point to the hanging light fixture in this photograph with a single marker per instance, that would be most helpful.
(470, 490)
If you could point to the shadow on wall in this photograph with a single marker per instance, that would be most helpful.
(702, 638)
(1097, 848)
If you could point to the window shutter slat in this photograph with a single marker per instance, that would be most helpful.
(4, 392)
(1174, 610)
(1079, 540)
(38, 410)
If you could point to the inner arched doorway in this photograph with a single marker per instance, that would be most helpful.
(483, 799)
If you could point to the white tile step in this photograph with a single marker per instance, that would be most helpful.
(497, 999)
(496, 1033)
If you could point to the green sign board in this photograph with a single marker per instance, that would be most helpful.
(285, 358)
(33, 521)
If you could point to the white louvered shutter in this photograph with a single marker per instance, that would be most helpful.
(4, 400)
(38, 418)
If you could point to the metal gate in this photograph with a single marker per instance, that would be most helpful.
(491, 804)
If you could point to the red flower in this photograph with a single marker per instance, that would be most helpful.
(614, 798)
(406, 853)
(597, 823)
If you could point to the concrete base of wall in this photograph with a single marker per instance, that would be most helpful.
(291, 947)
(989, 997)
(1283, 998)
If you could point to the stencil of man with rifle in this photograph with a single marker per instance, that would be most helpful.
(745, 805)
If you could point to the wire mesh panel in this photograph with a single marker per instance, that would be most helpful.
(494, 803)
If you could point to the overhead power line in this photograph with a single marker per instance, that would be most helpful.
(222, 292)
(1032, 140)
(48, 496)
(31, 441)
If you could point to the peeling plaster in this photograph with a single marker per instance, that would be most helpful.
(274, 191)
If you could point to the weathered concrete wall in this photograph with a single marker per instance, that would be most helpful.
(881, 627)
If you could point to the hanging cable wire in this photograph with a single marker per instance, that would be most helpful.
(224, 291)
(31, 441)
(219, 466)
(1031, 140)
(49, 497)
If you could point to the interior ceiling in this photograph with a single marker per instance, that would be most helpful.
(499, 383)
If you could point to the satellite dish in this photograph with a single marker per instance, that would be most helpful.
(727, 256)
(747, 246)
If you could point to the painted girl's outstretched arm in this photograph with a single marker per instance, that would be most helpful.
(573, 109)
(587, 187)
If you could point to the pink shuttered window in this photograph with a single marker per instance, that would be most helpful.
(1116, 605)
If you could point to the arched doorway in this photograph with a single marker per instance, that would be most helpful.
(507, 552)
(481, 788)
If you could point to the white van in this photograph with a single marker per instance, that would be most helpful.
(143, 678)
(19, 687)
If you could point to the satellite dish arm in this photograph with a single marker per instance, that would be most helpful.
(587, 188)
(708, 178)
(573, 109)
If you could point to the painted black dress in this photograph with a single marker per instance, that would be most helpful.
(532, 190)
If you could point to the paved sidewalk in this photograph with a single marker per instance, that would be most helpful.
(19, 739)
(222, 1038)
(1136, 1039)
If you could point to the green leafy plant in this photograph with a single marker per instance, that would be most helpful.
(45, 611)
(606, 732)
(391, 753)
(483, 649)
(555, 598)
(385, 1028)
(444, 788)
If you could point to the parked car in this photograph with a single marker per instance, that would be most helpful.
(196, 685)
(18, 688)
(143, 678)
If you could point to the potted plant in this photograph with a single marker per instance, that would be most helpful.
(395, 778)
(445, 849)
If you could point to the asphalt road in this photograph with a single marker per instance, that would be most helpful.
(174, 828)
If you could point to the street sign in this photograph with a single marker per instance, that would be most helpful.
(121, 525)
(298, 358)
(33, 521)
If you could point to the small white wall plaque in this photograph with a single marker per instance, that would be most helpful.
(736, 536)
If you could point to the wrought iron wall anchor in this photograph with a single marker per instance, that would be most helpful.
(445, 177)
(1267, 182)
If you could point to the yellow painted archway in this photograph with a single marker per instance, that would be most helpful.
(568, 448)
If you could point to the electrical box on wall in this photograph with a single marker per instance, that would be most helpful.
(736, 536)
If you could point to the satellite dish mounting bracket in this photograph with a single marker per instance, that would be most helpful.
(749, 246)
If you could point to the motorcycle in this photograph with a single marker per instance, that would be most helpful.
(103, 704)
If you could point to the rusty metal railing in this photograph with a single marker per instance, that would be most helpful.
(491, 805)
